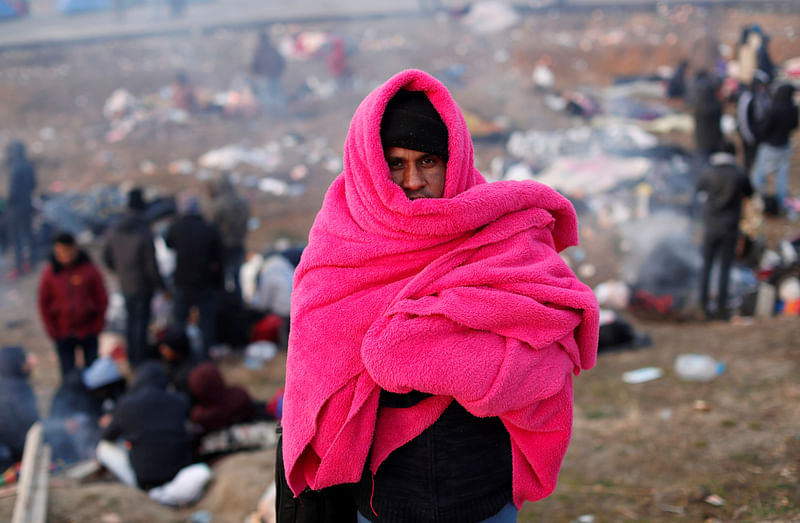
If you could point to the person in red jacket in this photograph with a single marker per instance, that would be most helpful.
(72, 302)
(216, 404)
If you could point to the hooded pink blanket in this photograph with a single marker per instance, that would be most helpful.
(464, 297)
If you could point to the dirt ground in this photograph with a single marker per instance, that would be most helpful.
(646, 452)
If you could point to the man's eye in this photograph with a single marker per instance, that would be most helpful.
(395, 164)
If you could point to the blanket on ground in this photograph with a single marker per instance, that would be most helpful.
(464, 297)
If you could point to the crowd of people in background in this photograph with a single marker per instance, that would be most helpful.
(178, 393)
(766, 115)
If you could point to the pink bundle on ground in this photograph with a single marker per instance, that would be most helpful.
(464, 297)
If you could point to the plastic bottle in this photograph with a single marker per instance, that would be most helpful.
(697, 367)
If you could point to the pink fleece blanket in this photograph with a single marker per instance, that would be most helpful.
(464, 297)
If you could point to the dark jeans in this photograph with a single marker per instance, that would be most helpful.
(206, 302)
(66, 352)
(20, 232)
(137, 323)
(232, 260)
(717, 245)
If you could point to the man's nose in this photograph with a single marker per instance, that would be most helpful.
(412, 178)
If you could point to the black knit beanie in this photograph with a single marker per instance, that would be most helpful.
(136, 200)
(411, 122)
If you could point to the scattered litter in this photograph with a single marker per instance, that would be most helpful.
(182, 167)
(665, 414)
(587, 270)
(201, 516)
(714, 500)
(673, 509)
(298, 172)
(542, 76)
(258, 353)
(147, 167)
(585, 518)
(230, 156)
(698, 367)
(490, 17)
(701, 405)
(642, 375)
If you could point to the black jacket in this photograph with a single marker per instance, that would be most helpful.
(129, 251)
(781, 119)
(17, 406)
(154, 422)
(457, 470)
(707, 116)
(725, 185)
(198, 251)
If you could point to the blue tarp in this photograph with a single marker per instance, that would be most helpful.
(80, 6)
(7, 11)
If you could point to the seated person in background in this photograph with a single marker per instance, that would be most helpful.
(17, 404)
(176, 353)
(153, 423)
(71, 429)
(106, 385)
(217, 405)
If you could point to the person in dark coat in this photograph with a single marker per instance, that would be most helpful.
(72, 302)
(176, 353)
(19, 207)
(129, 251)
(229, 214)
(726, 186)
(153, 422)
(707, 115)
(775, 151)
(216, 404)
(764, 60)
(17, 405)
(198, 269)
(676, 88)
(267, 68)
(751, 111)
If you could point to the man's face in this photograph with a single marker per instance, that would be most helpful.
(420, 175)
(65, 254)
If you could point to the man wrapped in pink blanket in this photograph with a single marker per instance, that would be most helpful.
(435, 329)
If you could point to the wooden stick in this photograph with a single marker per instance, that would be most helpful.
(31, 503)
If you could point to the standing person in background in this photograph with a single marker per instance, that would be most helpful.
(676, 88)
(129, 252)
(775, 152)
(229, 213)
(764, 60)
(183, 96)
(198, 268)
(72, 302)
(748, 55)
(726, 186)
(267, 68)
(750, 113)
(707, 114)
(19, 208)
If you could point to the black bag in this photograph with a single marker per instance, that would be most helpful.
(334, 504)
